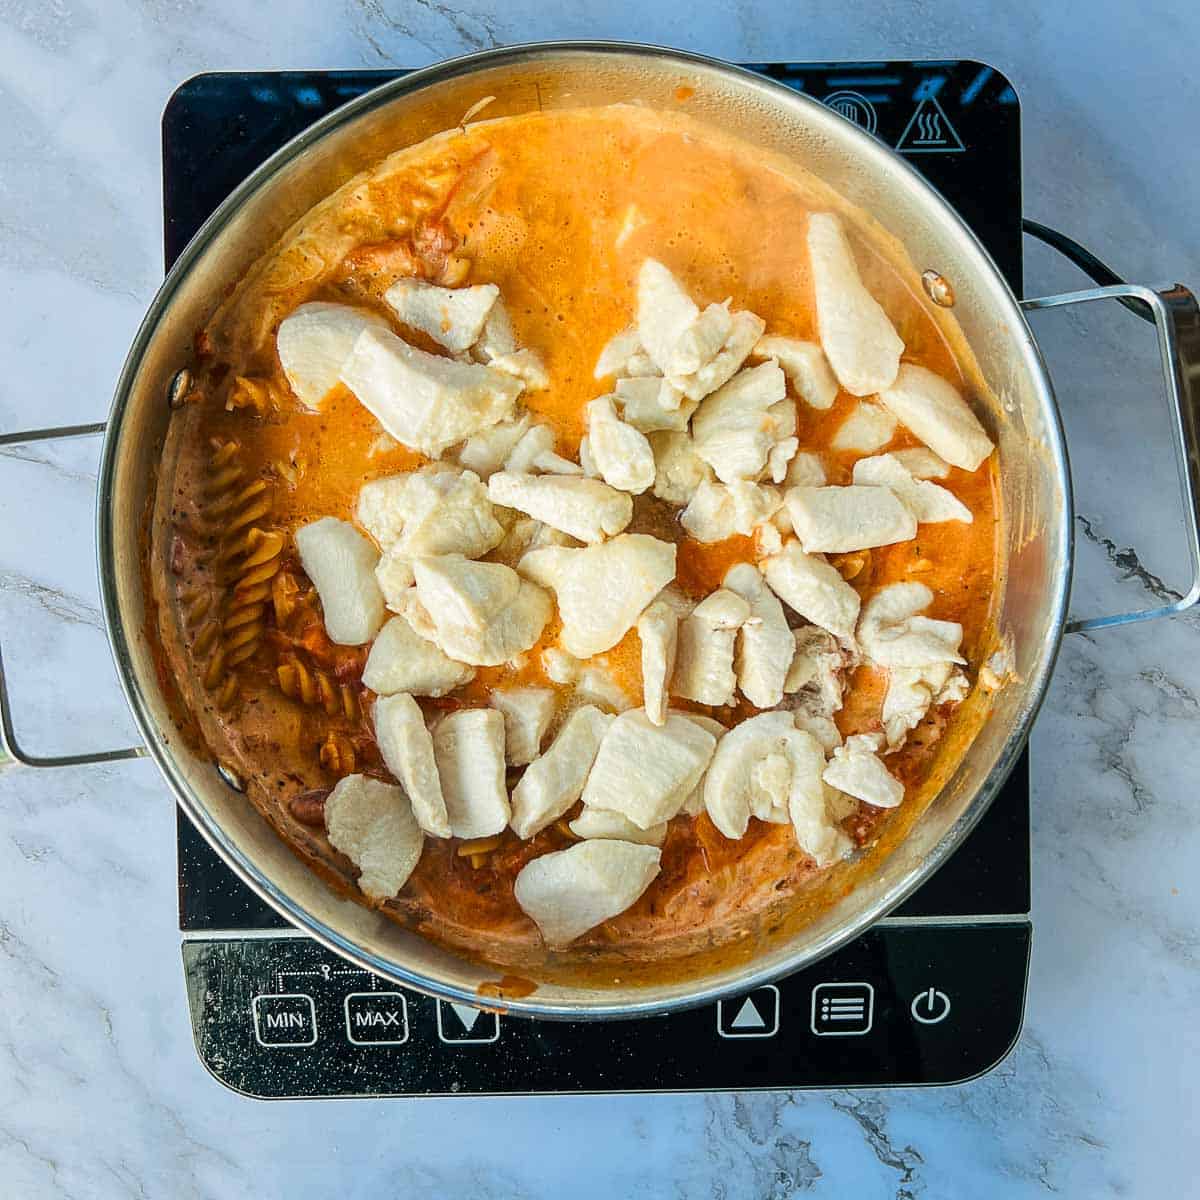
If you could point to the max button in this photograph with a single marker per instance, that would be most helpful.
(376, 1018)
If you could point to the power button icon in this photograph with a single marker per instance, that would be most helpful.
(930, 1006)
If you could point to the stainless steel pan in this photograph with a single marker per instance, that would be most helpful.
(1037, 542)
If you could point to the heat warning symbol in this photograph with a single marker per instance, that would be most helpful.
(929, 131)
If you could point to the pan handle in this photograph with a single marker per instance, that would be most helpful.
(1176, 318)
(10, 749)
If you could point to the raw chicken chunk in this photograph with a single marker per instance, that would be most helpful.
(603, 589)
(859, 340)
(678, 469)
(765, 644)
(930, 407)
(372, 824)
(618, 350)
(716, 512)
(498, 338)
(554, 781)
(452, 317)
(314, 341)
(621, 453)
(653, 405)
(912, 691)
(745, 331)
(486, 452)
(407, 750)
(483, 613)
(568, 892)
(527, 713)
(817, 663)
(438, 511)
(921, 463)
(806, 470)
(394, 575)
(341, 563)
(805, 365)
(525, 365)
(646, 771)
(693, 806)
(601, 823)
(658, 629)
(402, 661)
(893, 635)
(468, 746)
(704, 659)
(808, 585)
(424, 401)
(856, 770)
(838, 519)
(586, 509)
(665, 314)
(928, 502)
(535, 452)
(733, 430)
(867, 429)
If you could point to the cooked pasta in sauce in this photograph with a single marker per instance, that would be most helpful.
(560, 211)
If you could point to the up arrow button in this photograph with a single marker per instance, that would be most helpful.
(753, 1016)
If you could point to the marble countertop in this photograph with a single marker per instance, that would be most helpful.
(101, 1094)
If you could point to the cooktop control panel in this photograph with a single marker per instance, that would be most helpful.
(935, 994)
(282, 1017)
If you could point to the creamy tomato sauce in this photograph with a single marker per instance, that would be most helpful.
(559, 210)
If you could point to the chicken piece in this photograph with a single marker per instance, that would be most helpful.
(402, 661)
(554, 781)
(716, 512)
(833, 520)
(438, 511)
(816, 663)
(618, 350)
(704, 659)
(653, 405)
(425, 401)
(394, 574)
(483, 613)
(621, 453)
(921, 463)
(314, 341)
(778, 458)
(912, 691)
(658, 629)
(452, 317)
(856, 770)
(407, 750)
(859, 340)
(805, 365)
(341, 564)
(586, 461)
(525, 534)
(808, 585)
(745, 331)
(603, 589)
(806, 470)
(570, 891)
(765, 645)
(525, 365)
(601, 823)
(535, 452)
(932, 409)
(646, 771)
(372, 824)
(693, 806)
(893, 635)
(586, 509)
(766, 765)
(596, 684)
(498, 339)
(527, 713)
(701, 341)
(666, 314)
(468, 746)
(867, 429)
(678, 469)
(486, 451)
(928, 502)
(732, 430)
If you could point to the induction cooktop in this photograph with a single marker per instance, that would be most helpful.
(933, 994)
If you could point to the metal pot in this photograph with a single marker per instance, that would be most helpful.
(1036, 541)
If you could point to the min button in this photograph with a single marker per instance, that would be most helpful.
(284, 1019)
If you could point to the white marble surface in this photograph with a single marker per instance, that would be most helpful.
(100, 1091)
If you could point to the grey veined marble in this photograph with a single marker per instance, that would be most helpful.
(101, 1094)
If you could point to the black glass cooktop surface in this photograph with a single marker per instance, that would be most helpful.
(934, 994)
